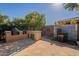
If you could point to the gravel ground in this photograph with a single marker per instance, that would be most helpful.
(9, 48)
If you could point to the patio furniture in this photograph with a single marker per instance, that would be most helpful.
(60, 37)
(65, 37)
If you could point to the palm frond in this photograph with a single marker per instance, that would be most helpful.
(71, 6)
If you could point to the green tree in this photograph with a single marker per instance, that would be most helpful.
(71, 6)
(3, 19)
(35, 20)
(17, 21)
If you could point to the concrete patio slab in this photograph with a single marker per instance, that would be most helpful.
(48, 48)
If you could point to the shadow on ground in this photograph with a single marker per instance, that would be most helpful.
(65, 44)
(8, 48)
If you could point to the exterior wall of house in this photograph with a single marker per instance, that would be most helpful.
(48, 30)
(70, 29)
(71, 26)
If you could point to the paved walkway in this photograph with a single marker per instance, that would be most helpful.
(47, 47)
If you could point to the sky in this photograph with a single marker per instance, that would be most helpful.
(53, 12)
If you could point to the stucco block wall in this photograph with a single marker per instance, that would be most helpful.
(37, 34)
(9, 37)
